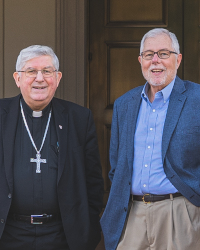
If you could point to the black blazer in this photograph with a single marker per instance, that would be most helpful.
(79, 184)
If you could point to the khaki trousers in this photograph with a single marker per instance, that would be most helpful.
(164, 225)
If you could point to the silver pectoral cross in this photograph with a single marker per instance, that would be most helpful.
(38, 160)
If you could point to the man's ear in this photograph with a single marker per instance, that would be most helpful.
(16, 76)
(179, 59)
(59, 76)
(139, 59)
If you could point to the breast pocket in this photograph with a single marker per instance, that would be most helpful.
(195, 130)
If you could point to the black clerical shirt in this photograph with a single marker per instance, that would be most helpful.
(35, 193)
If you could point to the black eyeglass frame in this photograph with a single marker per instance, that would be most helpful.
(157, 52)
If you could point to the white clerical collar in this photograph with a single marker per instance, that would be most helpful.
(37, 113)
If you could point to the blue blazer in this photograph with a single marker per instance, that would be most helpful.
(180, 152)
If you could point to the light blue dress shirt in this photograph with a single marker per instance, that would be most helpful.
(148, 173)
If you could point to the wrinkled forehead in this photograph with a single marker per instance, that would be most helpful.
(157, 43)
(39, 62)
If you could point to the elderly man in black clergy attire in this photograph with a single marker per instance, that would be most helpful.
(51, 185)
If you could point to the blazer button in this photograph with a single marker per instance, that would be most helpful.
(125, 209)
(2, 220)
(9, 196)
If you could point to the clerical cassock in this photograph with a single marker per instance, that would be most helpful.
(35, 193)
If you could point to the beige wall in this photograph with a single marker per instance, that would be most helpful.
(59, 24)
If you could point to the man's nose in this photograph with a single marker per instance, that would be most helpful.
(155, 58)
(39, 76)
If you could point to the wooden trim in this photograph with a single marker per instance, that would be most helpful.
(87, 101)
(110, 45)
(199, 12)
(107, 132)
(124, 24)
(70, 48)
(59, 50)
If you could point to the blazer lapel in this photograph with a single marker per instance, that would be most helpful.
(176, 103)
(131, 118)
(9, 126)
(61, 122)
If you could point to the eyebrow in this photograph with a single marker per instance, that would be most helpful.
(157, 50)
(43, 68)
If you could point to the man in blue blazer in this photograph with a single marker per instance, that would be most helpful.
(154, 200)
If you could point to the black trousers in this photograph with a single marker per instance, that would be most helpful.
(19, 235)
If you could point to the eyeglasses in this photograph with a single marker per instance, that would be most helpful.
(46, 72)
(162, 54)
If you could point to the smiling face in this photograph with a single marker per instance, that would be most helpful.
(159, 72)
(39, 91)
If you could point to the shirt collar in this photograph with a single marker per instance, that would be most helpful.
(166, 92)
(29, 111)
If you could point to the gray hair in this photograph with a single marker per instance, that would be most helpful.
(35, 51)
(159, 31)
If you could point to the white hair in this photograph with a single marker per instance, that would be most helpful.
(35, 51)
(160, 31)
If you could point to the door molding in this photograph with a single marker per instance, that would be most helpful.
(71, 49)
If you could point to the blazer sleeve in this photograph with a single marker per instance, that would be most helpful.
(114, 142)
